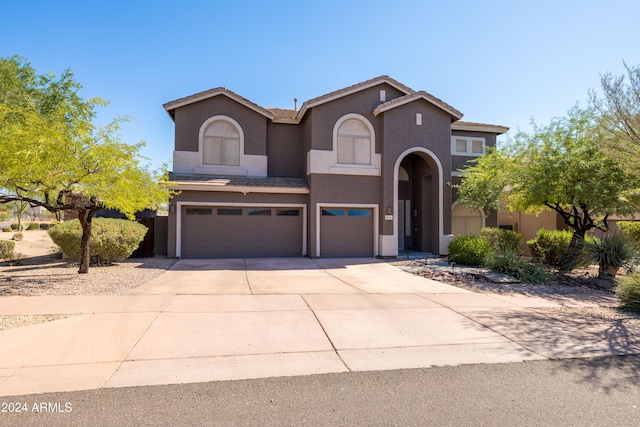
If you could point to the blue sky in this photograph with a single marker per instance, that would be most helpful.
(500, 62)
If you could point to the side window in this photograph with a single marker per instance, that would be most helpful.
(354, 143)
(467, 146)
(221, 144)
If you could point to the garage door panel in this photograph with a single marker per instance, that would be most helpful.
(346, 232)
(228, 236)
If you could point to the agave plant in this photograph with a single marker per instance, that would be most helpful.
(610, 253)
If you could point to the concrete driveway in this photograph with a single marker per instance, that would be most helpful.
(208, 320)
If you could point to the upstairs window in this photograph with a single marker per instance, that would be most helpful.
(467, 146)
(354, 143)
(221, 144)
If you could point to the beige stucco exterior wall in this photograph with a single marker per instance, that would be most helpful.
(528, 224)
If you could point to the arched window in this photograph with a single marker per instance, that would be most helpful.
(221, 143)
(354, 143)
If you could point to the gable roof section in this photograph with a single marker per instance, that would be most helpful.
(411, 97)
(478, 127)
(332, 96)
(282, 115)
(170, 107)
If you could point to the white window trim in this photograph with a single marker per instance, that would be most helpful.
(376, 225)
(191, 162)
(179, 206)
(469, 140)
(233, 123)
(323, 161)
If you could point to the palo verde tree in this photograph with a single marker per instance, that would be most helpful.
(559, 167)
(618, 113)
(53, 156)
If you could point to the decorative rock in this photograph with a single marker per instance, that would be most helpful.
(500, 277)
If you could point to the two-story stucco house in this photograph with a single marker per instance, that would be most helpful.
(362, 171)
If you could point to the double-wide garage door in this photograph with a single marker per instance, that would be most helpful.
(237, 232)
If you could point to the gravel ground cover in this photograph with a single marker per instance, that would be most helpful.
(576, 282)
(38, 269)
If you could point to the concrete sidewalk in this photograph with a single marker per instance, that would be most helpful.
(208, 320)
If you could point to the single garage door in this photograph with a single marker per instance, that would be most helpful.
(346, 232)
(238, 232)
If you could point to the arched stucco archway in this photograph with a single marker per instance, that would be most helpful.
(432, 200)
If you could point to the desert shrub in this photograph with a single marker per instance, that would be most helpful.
(550, 246)
(33, 226)
(507, 261)
(630, 230)
(6, 249)
(15, 226)
(111, 239)
(468, 249)
(628, 290)
(499, 238)
(610, 252)
(6, 229)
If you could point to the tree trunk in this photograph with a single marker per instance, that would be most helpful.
(577, 242)
(85, 256)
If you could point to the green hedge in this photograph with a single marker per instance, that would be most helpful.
(468, 249)
(6, 249)
(33, 226)
(500, 238)
(630, 230)
(111, 239)
(628, 290)
(550, 246)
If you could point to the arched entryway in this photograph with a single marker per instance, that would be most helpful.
(418, 201)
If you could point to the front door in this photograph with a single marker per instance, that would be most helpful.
(404, 224)
(401, 225)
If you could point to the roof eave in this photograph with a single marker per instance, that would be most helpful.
(170, 107)
(479, 127)
(244, 189)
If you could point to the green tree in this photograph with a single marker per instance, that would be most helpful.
(618, 113)
(559, 167)
(53, 156)
(19, 208)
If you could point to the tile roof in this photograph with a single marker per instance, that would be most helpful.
(283, 113)
(240, 181)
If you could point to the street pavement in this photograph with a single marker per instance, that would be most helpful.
(568, 392)
(217, 320)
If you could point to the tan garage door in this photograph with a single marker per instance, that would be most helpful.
(346, 232)
(237, 232)
(465, 221)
